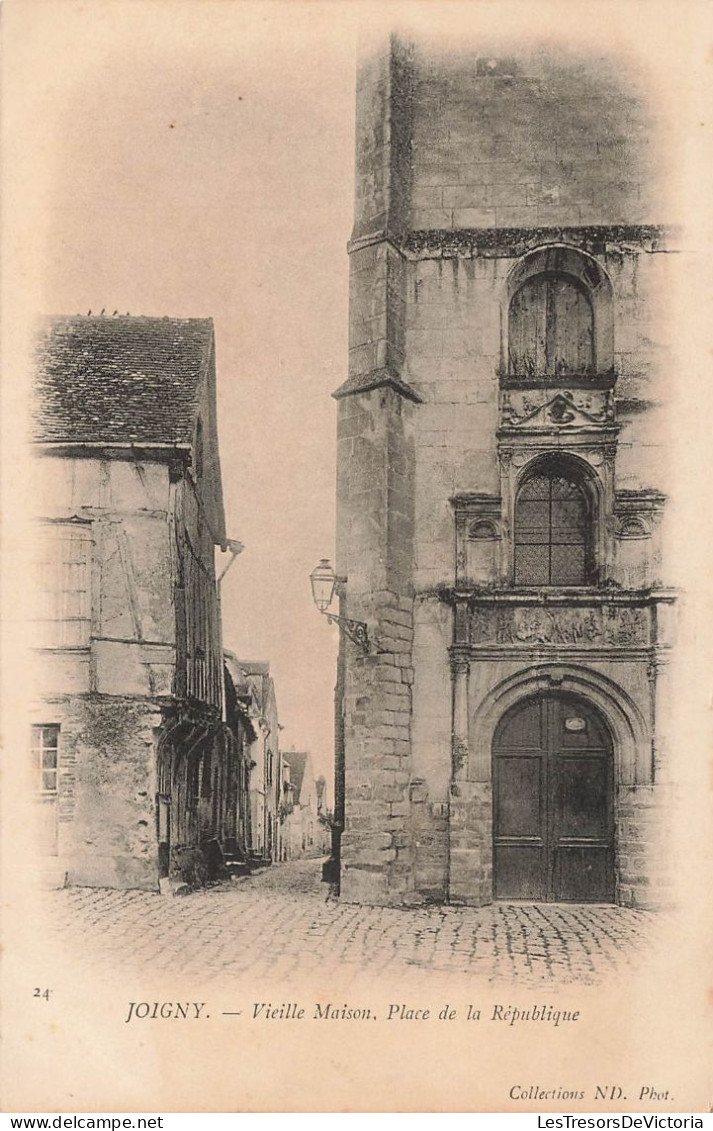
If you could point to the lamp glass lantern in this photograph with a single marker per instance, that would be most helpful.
(323, 580)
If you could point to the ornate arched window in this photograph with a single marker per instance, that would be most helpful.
(551, 329)
(554, 526)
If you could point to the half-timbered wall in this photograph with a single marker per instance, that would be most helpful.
(199, 661)
(128, 643)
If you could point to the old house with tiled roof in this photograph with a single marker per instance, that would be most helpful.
(253, 719)
(134, 764)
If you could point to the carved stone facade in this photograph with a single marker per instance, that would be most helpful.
(580, 627)
(501, 486)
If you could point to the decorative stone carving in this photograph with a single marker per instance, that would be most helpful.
(460, 755)
(594, 626)
(478, 534)
(596, 458)
(473, 508)
(626, 626)
(609, 459)
(550, 408)
(482, 530)
(633, 528)
(644, 508)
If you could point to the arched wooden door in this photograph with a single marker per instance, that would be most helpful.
(553, 819)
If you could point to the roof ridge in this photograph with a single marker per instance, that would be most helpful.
(101, 317)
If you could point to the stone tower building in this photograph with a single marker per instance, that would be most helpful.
(500, 484)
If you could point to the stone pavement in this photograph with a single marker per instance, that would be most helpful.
(282, 921)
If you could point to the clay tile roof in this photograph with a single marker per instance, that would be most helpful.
(118, 380)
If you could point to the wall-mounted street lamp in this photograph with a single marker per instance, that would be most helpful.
(324, 581)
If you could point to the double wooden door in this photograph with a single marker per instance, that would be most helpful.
(553, 823)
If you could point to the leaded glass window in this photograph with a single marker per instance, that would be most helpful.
(553, 529)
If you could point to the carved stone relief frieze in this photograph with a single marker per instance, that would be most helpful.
(594, 626)
(549, 408)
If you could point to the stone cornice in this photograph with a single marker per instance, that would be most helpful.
(376, 379)
(371, 239)
(489, 243)
(476, 499)
(597, 381)
(647, 499)
(551, 598)
(474, 243)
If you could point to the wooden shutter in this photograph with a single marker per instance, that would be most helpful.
(551, 329)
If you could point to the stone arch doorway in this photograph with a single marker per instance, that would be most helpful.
(553, 802)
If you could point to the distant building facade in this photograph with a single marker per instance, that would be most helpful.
(135, 767)
(242, 713)
(307, 824)
(255, 692)
(501, 485)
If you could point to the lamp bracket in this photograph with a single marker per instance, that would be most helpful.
(356, 630)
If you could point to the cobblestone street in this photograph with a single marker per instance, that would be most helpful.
(282, 921)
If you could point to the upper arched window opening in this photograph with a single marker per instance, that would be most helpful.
(559, 317)
(551, 329)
